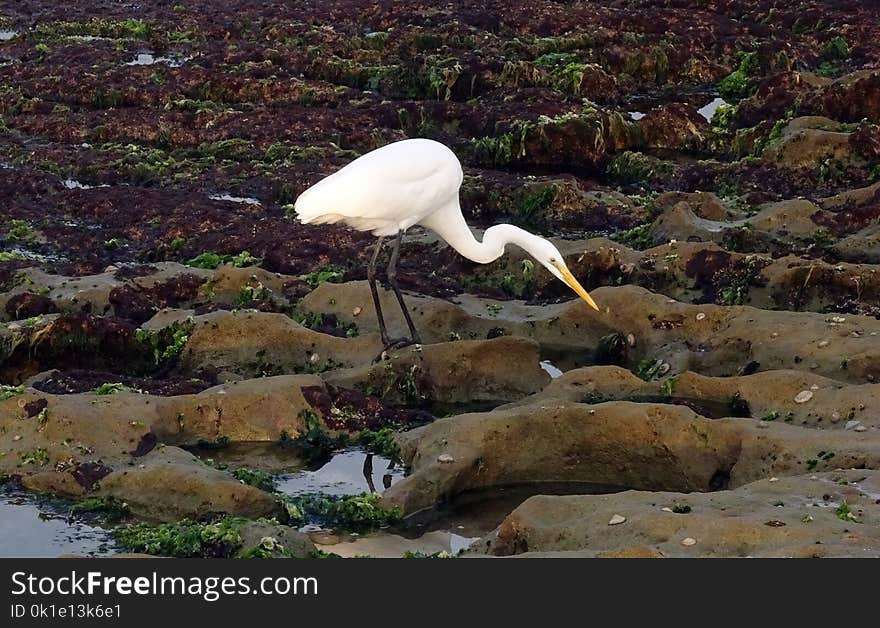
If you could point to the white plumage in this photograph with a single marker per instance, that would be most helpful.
(387, 190)
(410, 182)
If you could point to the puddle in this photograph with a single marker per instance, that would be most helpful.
(147, 58)
(73, 184)
(453, 527)
(388, 545)
(235, 199)
(33, 256)
(39, 528)
(636, 115)
(551, 370)
(474, 514)
(7, 35)
(70, 222)
(708, 408)
(708, 110)
(349, 472)
(88, 38)
(143, 58)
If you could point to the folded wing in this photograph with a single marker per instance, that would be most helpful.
(388, 189)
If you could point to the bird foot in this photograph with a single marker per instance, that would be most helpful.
(391, 345)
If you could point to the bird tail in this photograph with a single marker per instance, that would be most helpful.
(319, 219)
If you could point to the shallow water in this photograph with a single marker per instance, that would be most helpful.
(39, 528)
(32, 526)
(476, 513)
(453, 527)
(143, 58)
(550, 368)
(88, 38)
(33, 255)
(147, 58)
(235, 199)
(73, 184)
(349, 472)
(7, 35)
(708, 110)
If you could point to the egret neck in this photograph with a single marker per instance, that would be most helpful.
(450, 225)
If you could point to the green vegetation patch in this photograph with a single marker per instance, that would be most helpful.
(38, 457)
(331, 274)
(845, 513)
(353, 512)
(19, 230)
(112, 508)
(649, 368)
(380, 442)
(96, 27)
(109, 389)
(184, 539)
(210, 260)
(7, 392)
(314, 444)
(262, 480)
(638, 238)
(733, 283)
(168, 342)
(742, 82)
(405, 381)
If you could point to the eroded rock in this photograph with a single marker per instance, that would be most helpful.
(624, 444)
(802, 516)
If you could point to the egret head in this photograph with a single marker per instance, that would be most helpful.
(544, 251)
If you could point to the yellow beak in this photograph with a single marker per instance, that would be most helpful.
(575, 285)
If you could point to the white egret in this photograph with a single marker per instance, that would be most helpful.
(416, 181)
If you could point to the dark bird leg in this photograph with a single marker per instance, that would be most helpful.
(392, 279)
(371, 277)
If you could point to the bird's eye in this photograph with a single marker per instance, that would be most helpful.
(552, 260)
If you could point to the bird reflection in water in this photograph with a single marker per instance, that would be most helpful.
(368, 474)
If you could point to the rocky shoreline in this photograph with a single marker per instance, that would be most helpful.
(179, 358)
